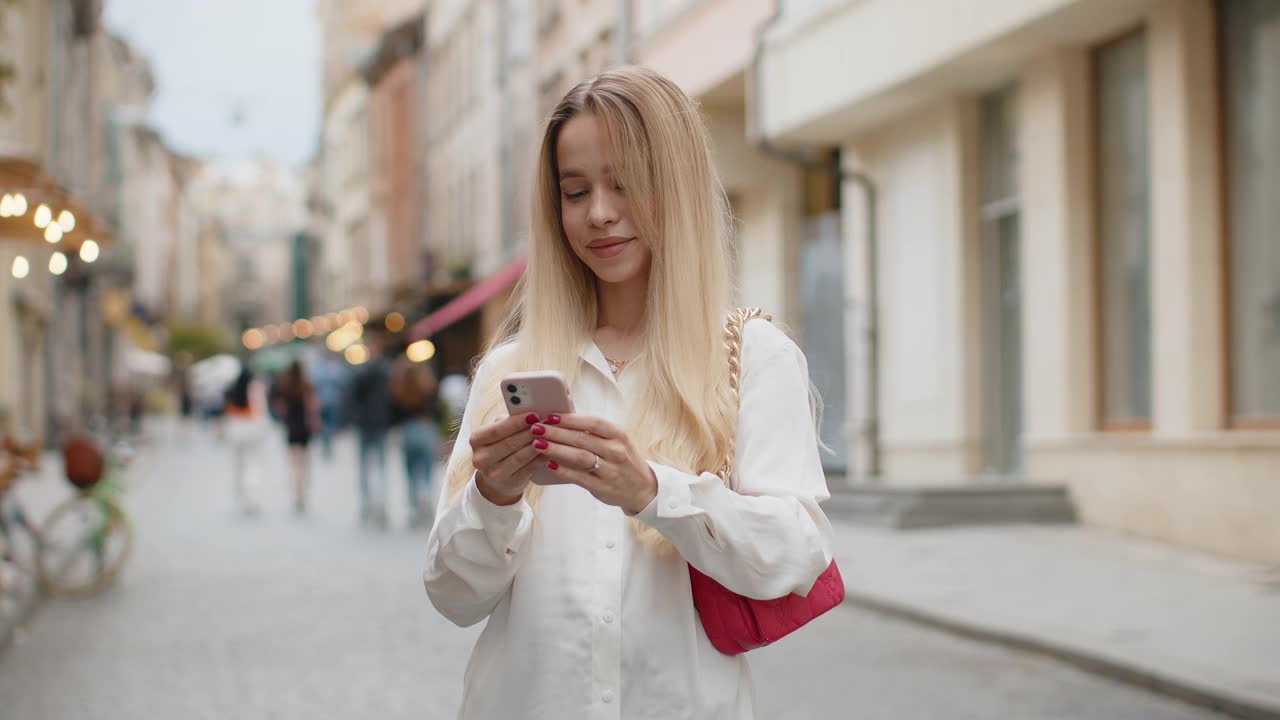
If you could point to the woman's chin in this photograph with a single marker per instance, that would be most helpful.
(622, 269)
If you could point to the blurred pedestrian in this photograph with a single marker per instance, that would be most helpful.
(301, 416)
(244, 418)
(369, 407)
(415, 392)
(328, 383)
(585, 578)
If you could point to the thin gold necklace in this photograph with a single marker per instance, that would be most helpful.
(615, 365)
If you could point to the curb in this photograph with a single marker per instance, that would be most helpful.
(1096, 664)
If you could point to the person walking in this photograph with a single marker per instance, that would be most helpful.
(244, 418)
(300, 411)
(415, 392)
(685, 451)
(369, 407)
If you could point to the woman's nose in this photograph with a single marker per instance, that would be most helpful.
(604, 209)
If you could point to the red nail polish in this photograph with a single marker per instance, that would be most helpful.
(553, 419)
(538, 429)
(531, 418)
(540, 444)
(552, 465)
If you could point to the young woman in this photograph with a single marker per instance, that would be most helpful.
(301, 415)
(244, 416)
(585, 583)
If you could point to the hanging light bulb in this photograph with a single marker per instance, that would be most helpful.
(21, 268)
(19, 205)
(6, 205)
(67, 220)
(53, 232)
(89, 251)
(57, 263)
(44, 216)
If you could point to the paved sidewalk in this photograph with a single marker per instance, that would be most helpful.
(1201, 628)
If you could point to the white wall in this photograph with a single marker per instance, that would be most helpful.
(927, 359)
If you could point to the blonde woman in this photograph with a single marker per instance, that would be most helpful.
(585, 583)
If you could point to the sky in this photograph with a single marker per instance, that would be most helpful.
(235, 79)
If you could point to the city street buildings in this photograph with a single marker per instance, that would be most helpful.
(1071, 270)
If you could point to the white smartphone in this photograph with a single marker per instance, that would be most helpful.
(543, 392)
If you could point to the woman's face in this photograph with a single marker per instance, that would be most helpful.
(594, 209)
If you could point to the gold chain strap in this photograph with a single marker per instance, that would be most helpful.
(733, 326)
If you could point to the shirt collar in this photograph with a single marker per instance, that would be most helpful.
(591, 355)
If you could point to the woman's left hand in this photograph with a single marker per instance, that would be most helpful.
(597, 455)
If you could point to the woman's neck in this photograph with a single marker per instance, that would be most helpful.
(622, 305)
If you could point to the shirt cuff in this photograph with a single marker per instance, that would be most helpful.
(675, 495)
(506, 526)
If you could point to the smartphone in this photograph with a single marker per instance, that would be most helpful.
(543, 392)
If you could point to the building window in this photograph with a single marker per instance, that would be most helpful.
(1001, 275)
(1124, 231)
(1250, 43)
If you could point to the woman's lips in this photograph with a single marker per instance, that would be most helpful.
(610, 249)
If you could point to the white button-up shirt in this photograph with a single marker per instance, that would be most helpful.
(586, 622)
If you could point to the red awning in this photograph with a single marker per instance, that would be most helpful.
(469, 301)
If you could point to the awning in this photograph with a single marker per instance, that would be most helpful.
(470, 301)
(20, 175)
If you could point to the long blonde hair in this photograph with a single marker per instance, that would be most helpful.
(661, 155)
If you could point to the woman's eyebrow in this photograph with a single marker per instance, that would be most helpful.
(571, 173)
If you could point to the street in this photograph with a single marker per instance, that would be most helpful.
(276, 616)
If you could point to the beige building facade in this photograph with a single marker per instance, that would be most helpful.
(1070, 221)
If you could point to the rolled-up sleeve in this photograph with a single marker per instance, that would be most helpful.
(474, 549)
(770, 538)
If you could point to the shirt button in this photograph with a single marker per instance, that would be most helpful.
(607, 697)
(609, 543)
(608, 618)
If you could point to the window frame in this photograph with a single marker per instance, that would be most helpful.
(1234, 420)
(1101, 421)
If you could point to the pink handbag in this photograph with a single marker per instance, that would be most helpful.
(735, 623)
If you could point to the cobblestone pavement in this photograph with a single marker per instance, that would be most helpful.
(283, 617)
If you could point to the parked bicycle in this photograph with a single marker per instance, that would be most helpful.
(84, 542)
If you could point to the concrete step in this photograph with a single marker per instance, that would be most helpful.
(981, 502)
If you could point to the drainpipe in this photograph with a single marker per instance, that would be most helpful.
(871, 428)
(622, 30)
(506, 223)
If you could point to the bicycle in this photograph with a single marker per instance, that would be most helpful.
(19, 540)
(85, 540)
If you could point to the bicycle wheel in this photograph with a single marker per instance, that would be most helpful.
(19, 548)
(84, 544)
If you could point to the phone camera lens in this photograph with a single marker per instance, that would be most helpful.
(515, 400)
(511, 388)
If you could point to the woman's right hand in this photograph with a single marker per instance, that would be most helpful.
(505, 458)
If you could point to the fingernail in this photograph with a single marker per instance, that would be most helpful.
(531, 418)
(540, 444)
(538, 430)
(552, 465)
(553, 419)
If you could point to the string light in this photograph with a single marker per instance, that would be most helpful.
(67, 221)
(53, 233)
(57, 263)
(356, 354)
(89, 251)
(43, 216)
(252, 339)
(421, 351)
(21, 268)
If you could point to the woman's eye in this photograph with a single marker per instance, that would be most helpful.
(575, 195)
